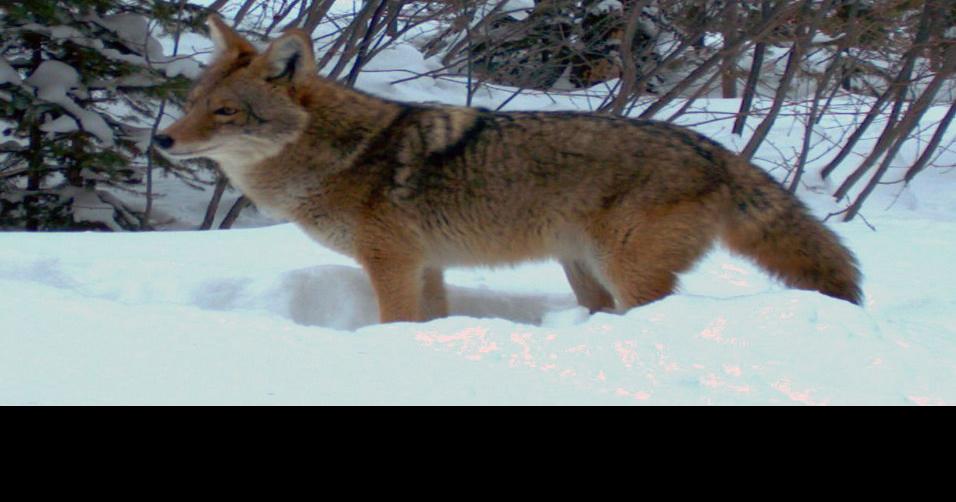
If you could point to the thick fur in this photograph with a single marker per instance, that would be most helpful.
(625, 205)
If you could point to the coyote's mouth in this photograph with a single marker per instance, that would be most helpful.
(194, 153)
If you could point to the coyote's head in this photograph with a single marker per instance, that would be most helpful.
(244, 108)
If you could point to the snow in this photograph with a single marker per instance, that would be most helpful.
(53, 81)
(64, 124)
(266, 316)
(7, 73)
(135, 28)
(89, 208)
(67, 32)
(605, 6)
(518, 9)
(186, 67)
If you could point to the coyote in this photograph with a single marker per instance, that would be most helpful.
(409, 190)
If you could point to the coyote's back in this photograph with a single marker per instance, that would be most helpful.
(624, 205)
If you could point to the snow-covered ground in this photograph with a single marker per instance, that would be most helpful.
(265, 316)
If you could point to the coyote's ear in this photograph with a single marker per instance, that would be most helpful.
(227, 41)
(290, 57)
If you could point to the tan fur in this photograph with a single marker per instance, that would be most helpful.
(410, 190)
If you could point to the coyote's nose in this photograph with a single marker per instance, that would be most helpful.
(163, 141)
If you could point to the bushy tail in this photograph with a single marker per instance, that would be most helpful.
(777, 231)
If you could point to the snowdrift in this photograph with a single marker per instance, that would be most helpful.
(265, 316)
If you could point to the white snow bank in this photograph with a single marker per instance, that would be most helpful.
(267, 317)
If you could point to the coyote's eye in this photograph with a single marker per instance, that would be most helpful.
(226, 111)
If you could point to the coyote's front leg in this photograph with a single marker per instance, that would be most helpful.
(434, 296)
(397, 281)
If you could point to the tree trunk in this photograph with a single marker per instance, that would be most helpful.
(213, 208)
(728, 70)
(933, 145)
(356, 30)
(234, 212)
(822, 86)
(246, 7)
(777, 17)
(894, 139)
(317, 13)
(375, 24)
(629, 65)
(35, 163)
(218, 5)
(750, 90)
(805, 32)
(898, 87)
